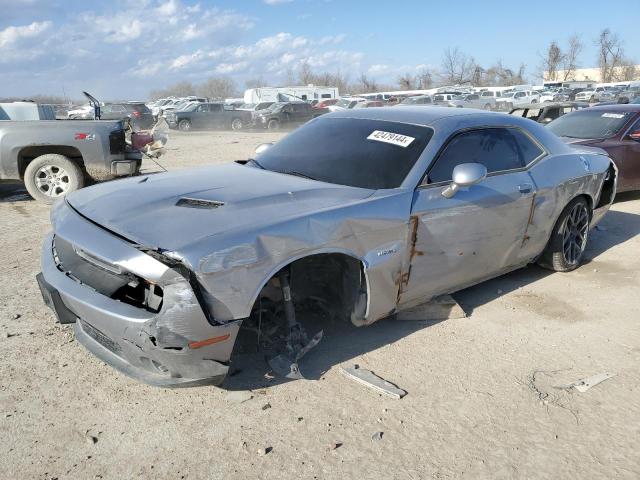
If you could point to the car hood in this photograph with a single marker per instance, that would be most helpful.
(173, 210)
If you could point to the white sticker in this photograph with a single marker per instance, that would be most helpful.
(392, 138)
(613, 115)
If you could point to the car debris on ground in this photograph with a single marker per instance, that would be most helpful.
(371, 380)
(586, 383)
(239, 396)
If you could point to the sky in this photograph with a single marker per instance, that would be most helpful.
(126, 48)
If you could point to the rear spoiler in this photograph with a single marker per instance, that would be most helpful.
(589, 150)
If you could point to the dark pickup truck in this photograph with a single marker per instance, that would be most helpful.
(287, 113)
(215, 115)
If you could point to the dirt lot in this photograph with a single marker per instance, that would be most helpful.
(481, 402)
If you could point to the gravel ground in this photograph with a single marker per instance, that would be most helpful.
(481, 402)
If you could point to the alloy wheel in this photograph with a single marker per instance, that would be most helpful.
(52, 181)
(574, 235)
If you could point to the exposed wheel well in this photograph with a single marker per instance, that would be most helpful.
(607, 193)
(335, 281)
(29, 153)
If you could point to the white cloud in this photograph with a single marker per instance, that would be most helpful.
(227, 68)
(378, 68)
(167, 9)
(185, 60)
(13, 34)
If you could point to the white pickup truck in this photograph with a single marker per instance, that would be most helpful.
(513, 99)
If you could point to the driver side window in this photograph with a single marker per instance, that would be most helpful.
(498, 149)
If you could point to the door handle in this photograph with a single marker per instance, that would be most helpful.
(525, 188)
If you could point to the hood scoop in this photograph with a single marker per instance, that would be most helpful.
(198, 203)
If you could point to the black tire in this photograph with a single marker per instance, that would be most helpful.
(569, 238)
(236, 124)
(184, 125)
(487, 106)
(534, 101)
(51, 176)
(273, 124)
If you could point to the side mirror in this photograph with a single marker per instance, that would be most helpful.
(635, 135)
(465, 175)
(262, 147)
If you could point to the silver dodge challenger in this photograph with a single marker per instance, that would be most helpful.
(370, 211)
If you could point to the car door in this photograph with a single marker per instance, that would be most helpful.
(626, 151)
(215, 116)
(199, 116)
(478, 233)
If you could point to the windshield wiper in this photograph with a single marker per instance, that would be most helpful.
(298, 174)
(255, 162)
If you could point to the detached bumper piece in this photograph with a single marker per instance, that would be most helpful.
(146, 323)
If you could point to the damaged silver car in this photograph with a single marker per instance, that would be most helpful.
(370, 211)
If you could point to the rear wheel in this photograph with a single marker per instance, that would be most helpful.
(568, 240)
(487, 106)
(51, 176)
(273, 124)
(184, 125)
(236, 124)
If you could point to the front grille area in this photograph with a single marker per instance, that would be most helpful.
(106, 278)
(87, 272)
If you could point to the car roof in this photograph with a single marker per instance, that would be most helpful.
(620, 107)
(417, 115)
(551, 104)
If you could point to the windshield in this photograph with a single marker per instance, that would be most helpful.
(459, 97)
(589, 124)
(190, 107)
(410, 100)
(276, 107)
(508, 95)
(350, 155)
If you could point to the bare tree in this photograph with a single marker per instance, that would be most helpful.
(570, 57)
(552, 59)
(366, 85)
(425, 79)
(257, 82)
(305, 74)
(457, 67)
(477, 78)
(610, 56)
(406, 82)
(218, 88)
(628, 71)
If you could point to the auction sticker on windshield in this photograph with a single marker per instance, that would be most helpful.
(392, 138)
(613, 115)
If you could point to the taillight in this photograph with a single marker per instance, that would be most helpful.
(136, 114)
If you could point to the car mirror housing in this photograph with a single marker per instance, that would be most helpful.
(635, 135)
(465, 175)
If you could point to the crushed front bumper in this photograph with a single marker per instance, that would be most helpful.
(175, 346)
